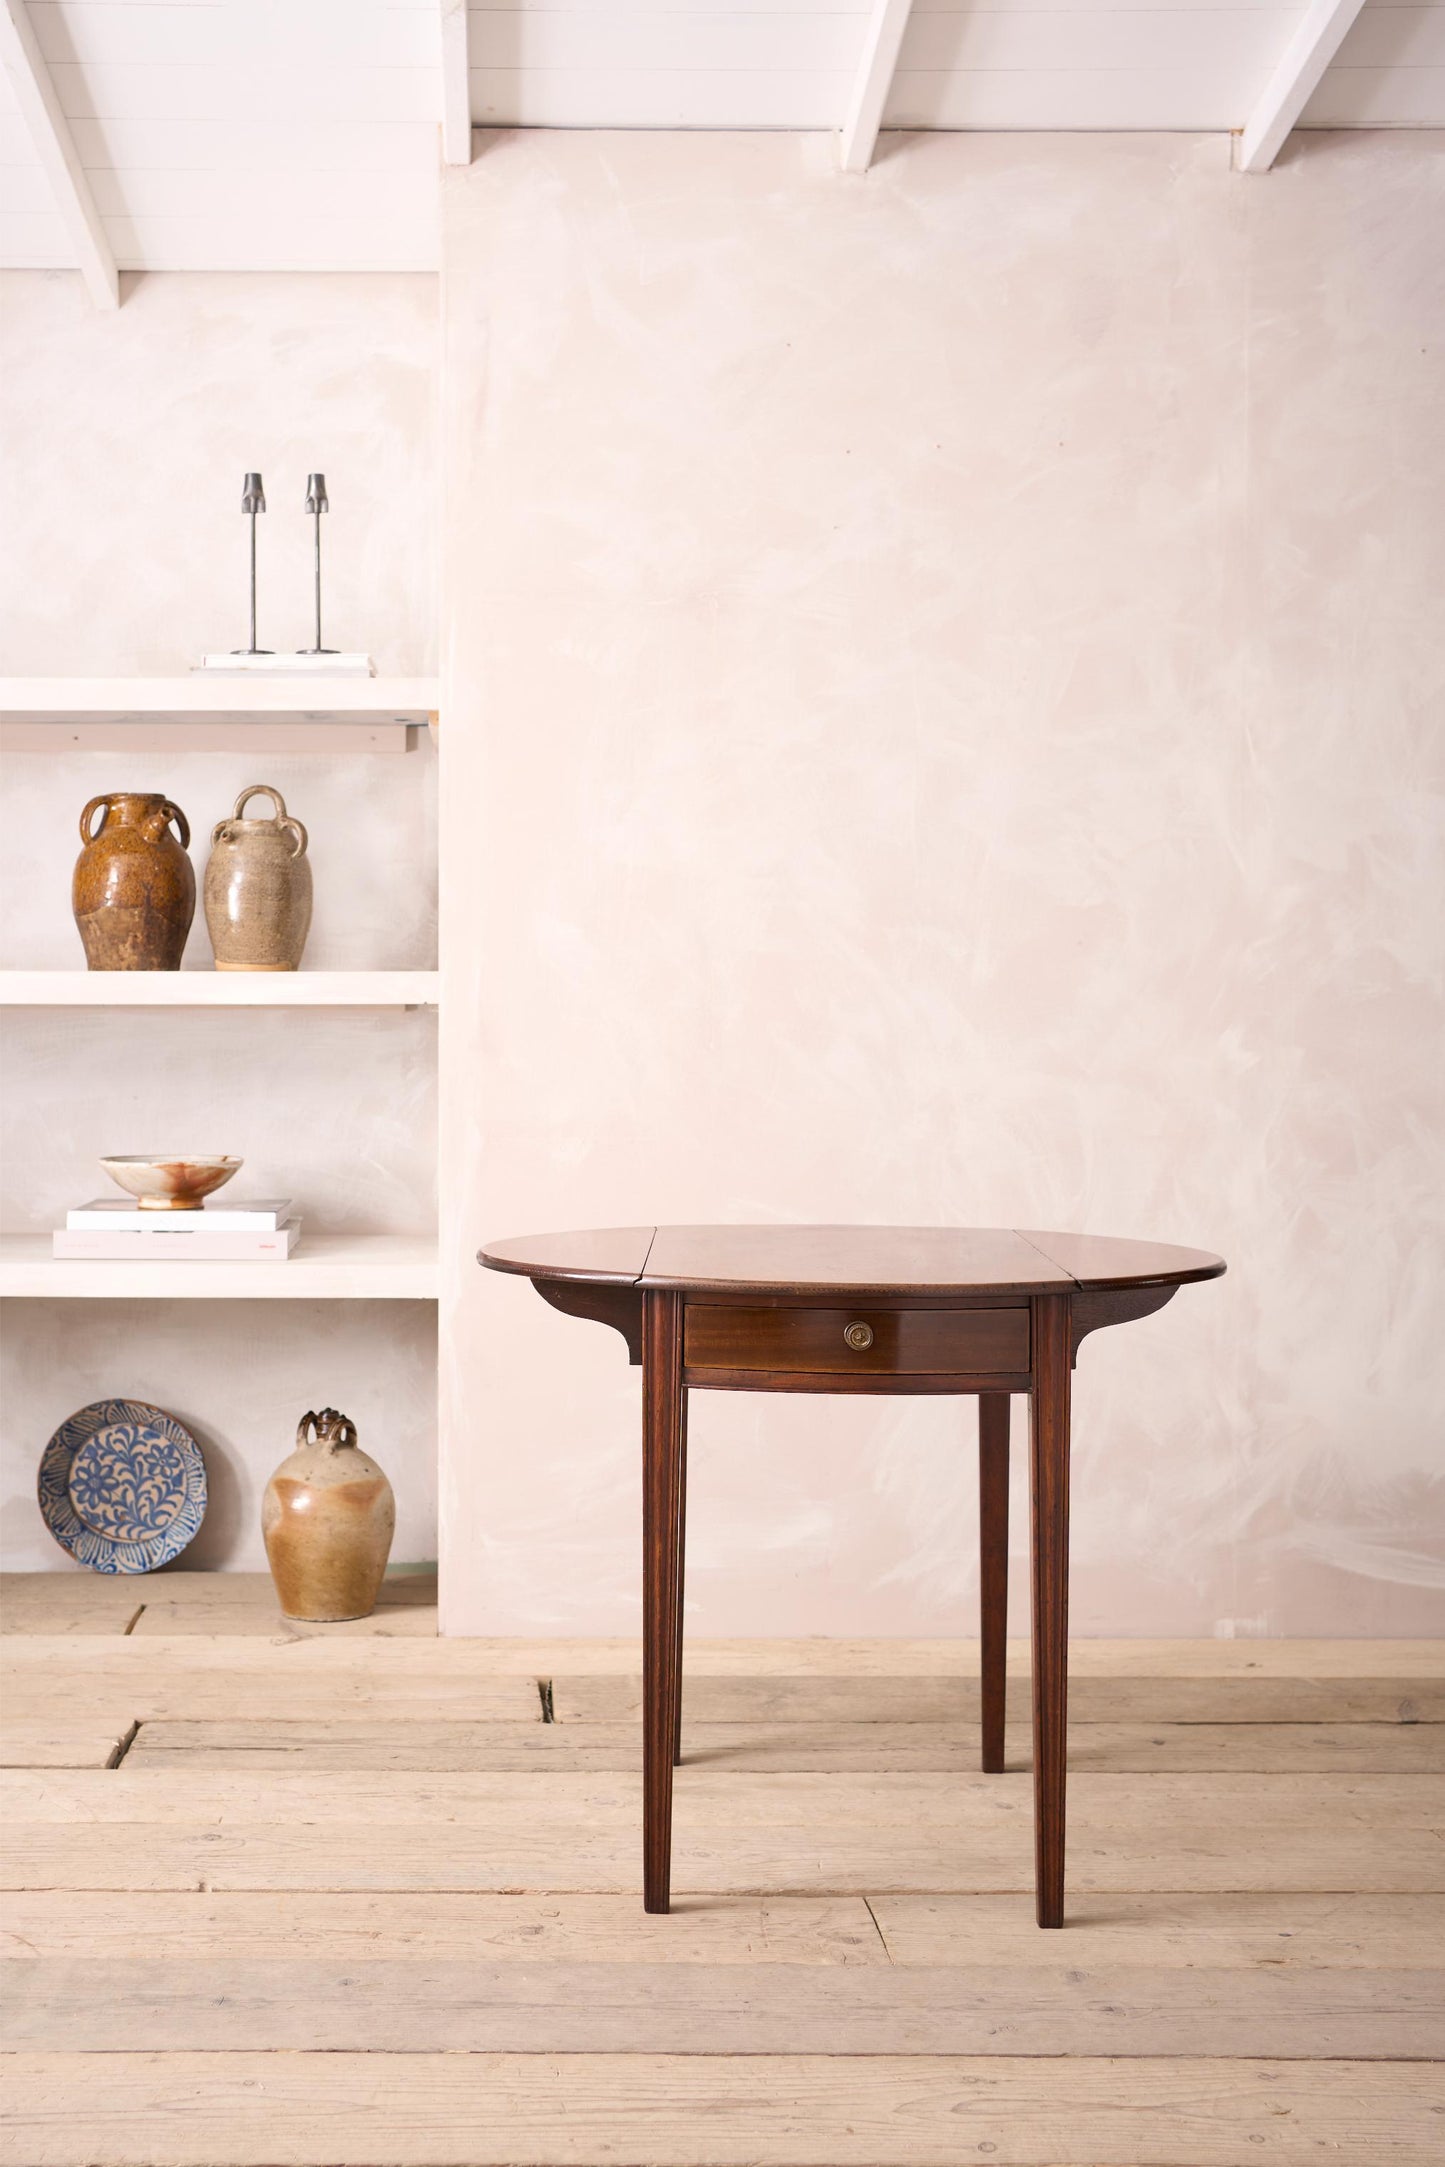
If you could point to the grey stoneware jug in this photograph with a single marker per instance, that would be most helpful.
(258, 888)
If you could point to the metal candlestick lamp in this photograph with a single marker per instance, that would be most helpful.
(253, 500)
(317, 502)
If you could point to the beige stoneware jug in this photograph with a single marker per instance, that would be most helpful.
(328, 1517)
(258, 888)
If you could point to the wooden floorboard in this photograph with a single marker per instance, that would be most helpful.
(184, 1602)
(1220, 1931)
(244, 1606)
(75, 1601)
(470, 1924)
(1245, 1698)
(1418, 1660)
(186, 1678)
(351, 1899)
(583, 2110)
(782, 1748)
(272, 1681)
(557, 1803)
(785, 1858)
(169, 1620)
(161, 2005)
(88, 1605)
(54, 1741)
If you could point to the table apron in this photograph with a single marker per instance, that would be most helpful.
(878, 1383)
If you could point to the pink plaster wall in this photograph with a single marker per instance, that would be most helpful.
(126, 438)
(946, 681)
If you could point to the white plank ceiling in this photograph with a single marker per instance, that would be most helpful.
(303, 134)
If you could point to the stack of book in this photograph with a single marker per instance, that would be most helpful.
(118, 1231)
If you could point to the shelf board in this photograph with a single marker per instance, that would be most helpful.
(211, 713)
(323, 1267)
(218, 989)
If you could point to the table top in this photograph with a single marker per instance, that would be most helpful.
(849, 1259)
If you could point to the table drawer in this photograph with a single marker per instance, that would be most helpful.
(858, 1342)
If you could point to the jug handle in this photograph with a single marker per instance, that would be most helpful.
(173, 812)
(85, 834)
(346, 1435)
(284, 820)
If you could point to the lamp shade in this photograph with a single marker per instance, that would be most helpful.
(253, 496)
(316, 498)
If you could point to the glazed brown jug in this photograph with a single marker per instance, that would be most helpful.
(258, 888)
(133, 893)
(328, 1517)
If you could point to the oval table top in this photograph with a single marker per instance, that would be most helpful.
(854, 1259)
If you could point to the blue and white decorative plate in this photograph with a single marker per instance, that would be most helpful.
(122, 1486)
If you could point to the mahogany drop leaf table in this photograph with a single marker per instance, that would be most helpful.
(988, 1311)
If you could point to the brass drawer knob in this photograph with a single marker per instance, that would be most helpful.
(859, 1335)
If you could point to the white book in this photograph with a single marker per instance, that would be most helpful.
(287, 665)
(180, 1247)
(117, 1215)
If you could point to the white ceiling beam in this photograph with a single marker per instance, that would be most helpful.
(456, 85)
(34, 89)
(1317, 39)
(871, 85)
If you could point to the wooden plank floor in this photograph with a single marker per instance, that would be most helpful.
(363, 1898)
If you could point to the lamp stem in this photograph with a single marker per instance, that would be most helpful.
(253, 583)
(318, 582)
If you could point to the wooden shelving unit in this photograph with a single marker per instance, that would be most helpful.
(215, 713)
(260, 716)
(218, 989)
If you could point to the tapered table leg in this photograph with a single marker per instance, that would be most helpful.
(662, 1414)
(1049, 1473)
(681, 1578)
(993, 1414)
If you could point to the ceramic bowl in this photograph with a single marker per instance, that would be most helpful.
(172, 1184)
